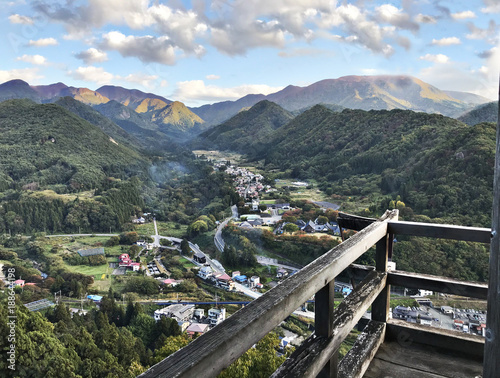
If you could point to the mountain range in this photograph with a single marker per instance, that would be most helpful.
(440, 166)
(156, 116)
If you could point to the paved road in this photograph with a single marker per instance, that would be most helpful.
(219, 242)
(262, 260)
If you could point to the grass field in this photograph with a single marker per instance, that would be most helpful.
(164, 229)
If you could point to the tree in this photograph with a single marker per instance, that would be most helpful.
(291, 228)
(185, 248)
(172, 345)
(258, 362)
(322, 219)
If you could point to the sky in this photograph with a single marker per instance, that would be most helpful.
(201, 51)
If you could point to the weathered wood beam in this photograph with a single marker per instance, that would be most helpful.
(353, 222)
(491, 367)
(408, 333)
(309, 359)
(210, 353)
(438, 284)
(380, 308)
(443, 231)
(357, 360)
(324, 301)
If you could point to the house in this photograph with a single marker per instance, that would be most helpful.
(333, 227)
(254, 280)
(170, 282)
(196, 328)
(200, 258)
(199, 314)
(124, 261)
(309, 227)
(216, 316)
(301, 224)
(282, 273)
(235, 273)
(183, 325)
(205, 272)
(95, 298)
(179, 312)
(255, 205)
(245, 224)
(19, 283)
(77, 311)
(140, 220)
(240, 279)
(224, 281)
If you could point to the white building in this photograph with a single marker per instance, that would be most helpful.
(179, 312)
(205, 272)
(216, 316)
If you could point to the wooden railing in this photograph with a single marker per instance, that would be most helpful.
(209, 354)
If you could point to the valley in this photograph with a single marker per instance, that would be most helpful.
(145, 187)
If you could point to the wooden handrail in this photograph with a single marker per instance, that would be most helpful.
(311, 356)
(443, 231)
(438, 284)
(210, 353)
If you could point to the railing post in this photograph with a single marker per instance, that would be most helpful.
(380, 307)
(323, 322)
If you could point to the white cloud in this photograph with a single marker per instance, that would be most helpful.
(92, 55)
(492, 6)
(463, 15)
(92, 74)
(33, 59)
(482, 81)
(438, 58)
(212, 77)
(147, 81)
(43, 42)
(29, 75)
(446, 41)
(489, 34)
(425, 19)
(18, 19)
(390, 14)
(147, 48)
(197, 91)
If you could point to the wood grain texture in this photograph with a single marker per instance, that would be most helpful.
(356, 361)
(444, 231)
(316, 351)
(210, 353)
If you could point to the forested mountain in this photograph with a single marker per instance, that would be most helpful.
(246, 130)
(173, 117)
(468, 97)
(97, 119)
(482, 113)
(219, 112)
(49, 145)
(16, 89)
(354, 92)
(438, 165)
(128, 96)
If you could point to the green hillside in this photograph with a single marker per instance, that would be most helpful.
(439, 166)
(45, 145)
(248, 129)
(97, 119)
(481, 113)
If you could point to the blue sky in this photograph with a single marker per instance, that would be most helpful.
(202, 52)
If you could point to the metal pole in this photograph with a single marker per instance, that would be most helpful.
(491, 363)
